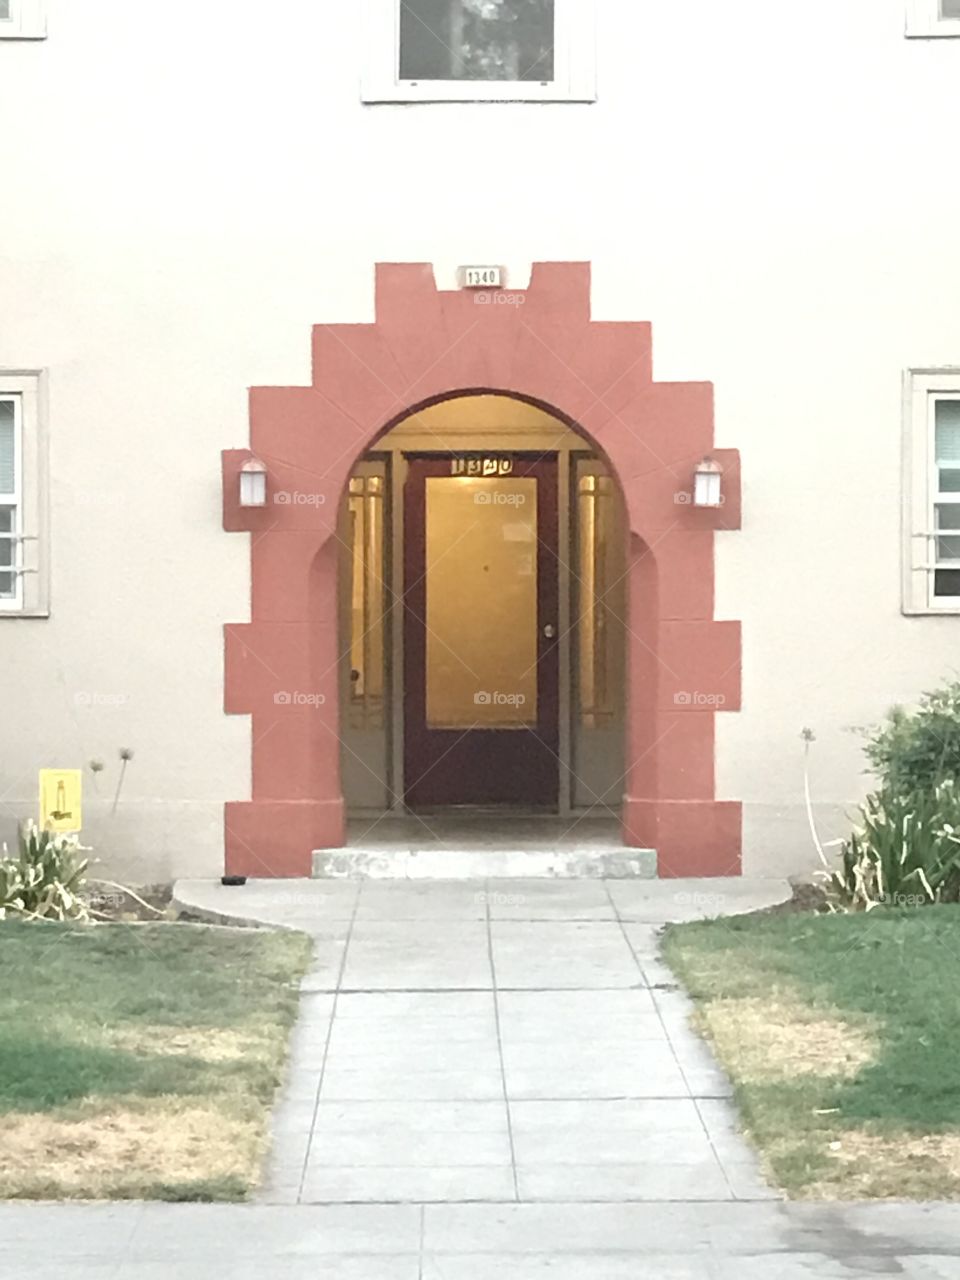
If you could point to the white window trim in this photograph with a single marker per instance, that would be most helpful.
(28, 388)
(922, 388)
(27, 21)
(575, 63)
(924, 21)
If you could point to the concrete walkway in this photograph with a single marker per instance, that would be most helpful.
(498, 1042)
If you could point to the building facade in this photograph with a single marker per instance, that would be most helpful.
(357, 367)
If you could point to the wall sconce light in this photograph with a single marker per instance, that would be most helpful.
(253, 483)
(707, 484)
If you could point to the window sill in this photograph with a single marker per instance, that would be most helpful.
(27, 26)
(933, 30)
(437, 91)
(931, 611)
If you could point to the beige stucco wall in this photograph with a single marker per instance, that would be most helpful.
(185, 194)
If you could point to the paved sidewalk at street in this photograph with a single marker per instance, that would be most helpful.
(505, 1042)
(759, 1241)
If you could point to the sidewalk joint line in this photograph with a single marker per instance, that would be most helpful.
(326, 1045)
(503, 1069)
(673, 1048)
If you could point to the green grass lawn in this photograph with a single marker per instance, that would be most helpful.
(140, 1061)
(842, 1037)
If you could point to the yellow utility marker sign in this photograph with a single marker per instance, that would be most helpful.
(60, 799)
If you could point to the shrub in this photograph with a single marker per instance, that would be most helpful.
(905, 852)
(44, 880)
(916, 750)
(906, 848)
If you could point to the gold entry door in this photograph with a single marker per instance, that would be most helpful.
(481, 621)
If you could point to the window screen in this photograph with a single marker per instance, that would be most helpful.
(948, 445)
(477, 40)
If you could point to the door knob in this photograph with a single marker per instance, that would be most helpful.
(549, 630)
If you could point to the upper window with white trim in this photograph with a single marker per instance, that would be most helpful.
(23, 497)
(931, 18)
(932, 527)
(23, 20)
(479, 51)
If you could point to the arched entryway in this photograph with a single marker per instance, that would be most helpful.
(425, 349)
(483, 603)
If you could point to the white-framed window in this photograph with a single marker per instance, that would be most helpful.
(23, 19)
(479, 51)
(932, 491)
(23, 497)
(933, 18)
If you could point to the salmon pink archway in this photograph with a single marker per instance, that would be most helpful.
(426, 345)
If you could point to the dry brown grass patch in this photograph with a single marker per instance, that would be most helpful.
(101, 1152)
(890, 1166)
(206, 1044)
(767, 1038)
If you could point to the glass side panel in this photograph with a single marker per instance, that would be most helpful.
(367, 604)
(8, 439)
(4, 10)
(599, 596)
(950, 8)
(598, 612)
(477, 40)
(481, 587)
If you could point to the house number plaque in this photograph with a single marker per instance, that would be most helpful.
(481, 277)
(474, 466)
